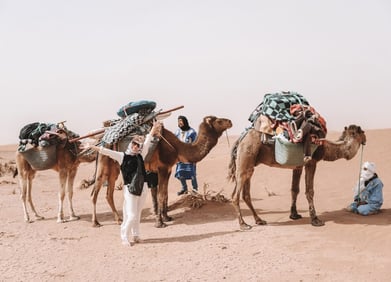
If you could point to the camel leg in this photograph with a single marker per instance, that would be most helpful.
(106, 167)
(239, 187)
(71, 180)
(165, 215)
(26, 183)
(110, 197)
(236, 204)
(309, 192)
(245, 169)
(247, 200)
(236, 198)
(61, 196)
(25, 177)
(295, 189)
(94, 198)
(30, 199)
(154, 199)
(161, 197)
(24, 187)
(160, 211)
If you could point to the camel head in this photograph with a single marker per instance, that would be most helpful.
(214, 125)
(347, 145)
(353, 132)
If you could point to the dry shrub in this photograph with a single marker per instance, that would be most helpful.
(7, 168)
(197, 200)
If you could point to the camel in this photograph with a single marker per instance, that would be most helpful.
(249, 151)
(168, 152)
(68, 158)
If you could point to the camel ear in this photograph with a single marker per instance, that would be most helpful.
(208, 120)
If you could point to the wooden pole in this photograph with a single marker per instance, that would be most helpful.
(95, 132)
(169, 111)
(98, 131)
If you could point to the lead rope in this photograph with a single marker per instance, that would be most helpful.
(167, 141)
(226, 134)
(359, 173)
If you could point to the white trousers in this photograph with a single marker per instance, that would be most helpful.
(131, 210)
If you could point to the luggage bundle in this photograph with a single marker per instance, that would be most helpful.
(38, 143)
(134, 120)
(280, 116)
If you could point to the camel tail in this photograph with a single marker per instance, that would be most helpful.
(232, 164)
(93, 178)
(15, 172)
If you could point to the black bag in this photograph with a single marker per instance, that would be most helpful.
(26, 130)
(136, 186)
(152, 179)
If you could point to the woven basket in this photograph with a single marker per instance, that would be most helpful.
(41, 158)
(288, 153)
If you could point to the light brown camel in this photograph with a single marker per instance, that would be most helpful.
(249, 152)
(168, 152)
(68, 158)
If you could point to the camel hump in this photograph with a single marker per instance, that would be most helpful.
(135, 107)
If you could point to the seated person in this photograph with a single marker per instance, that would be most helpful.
(368, 194)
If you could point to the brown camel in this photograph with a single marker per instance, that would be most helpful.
(68, 158)
(168, 152)
(249, 151)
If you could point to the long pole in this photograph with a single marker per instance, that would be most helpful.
(96, 132)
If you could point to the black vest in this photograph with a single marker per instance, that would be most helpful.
(133, 173)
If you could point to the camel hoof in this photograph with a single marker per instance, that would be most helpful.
(167, 218)
(260, 222)
(317, 222)
(74, 218)
(244, 227)
(295, 216)
(96, 224)
(61, 220)
(160, 225)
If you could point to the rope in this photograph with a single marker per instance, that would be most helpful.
(226, 134)
(167, 141)
(359, 173)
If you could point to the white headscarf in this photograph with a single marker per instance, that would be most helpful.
(368, 170)
(139, 139)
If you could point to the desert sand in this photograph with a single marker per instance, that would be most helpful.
(205, 244)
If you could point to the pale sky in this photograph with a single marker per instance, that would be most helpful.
(80, 60)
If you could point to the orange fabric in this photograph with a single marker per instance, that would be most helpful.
(297, 108)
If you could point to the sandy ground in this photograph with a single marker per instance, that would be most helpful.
(205, 244)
